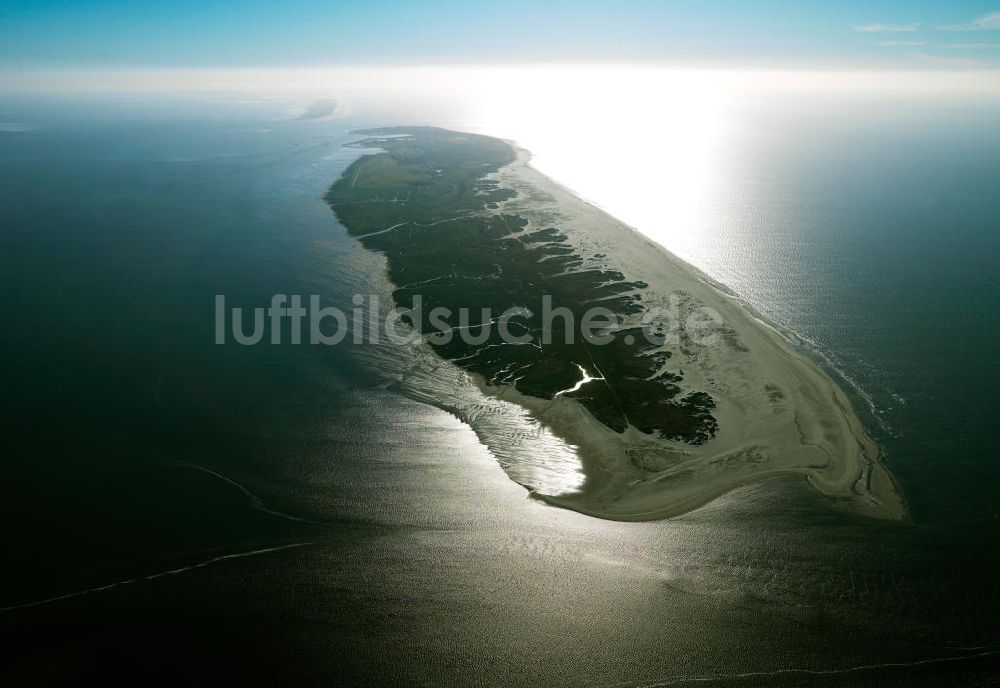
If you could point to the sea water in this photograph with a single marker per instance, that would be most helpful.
(137, 447)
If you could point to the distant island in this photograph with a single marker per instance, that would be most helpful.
(322, 110)
(661, 424)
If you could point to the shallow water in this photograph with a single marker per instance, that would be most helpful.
(416, 558)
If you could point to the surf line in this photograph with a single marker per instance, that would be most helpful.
(153, 576)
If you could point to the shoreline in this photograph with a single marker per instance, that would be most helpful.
(848, 471)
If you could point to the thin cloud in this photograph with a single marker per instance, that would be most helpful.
(987, 22)
(903, 43)
(975, 46)
(887, 28)
(950, 62)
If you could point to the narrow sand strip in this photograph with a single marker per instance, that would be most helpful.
(779, 412)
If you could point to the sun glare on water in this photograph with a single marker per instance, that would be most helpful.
(640, 143)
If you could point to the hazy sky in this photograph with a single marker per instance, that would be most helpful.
(185, 33)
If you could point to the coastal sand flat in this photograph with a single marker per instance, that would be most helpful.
(779, 412)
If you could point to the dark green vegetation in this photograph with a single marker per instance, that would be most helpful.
(427, 205)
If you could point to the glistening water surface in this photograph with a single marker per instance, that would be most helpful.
(348, 532)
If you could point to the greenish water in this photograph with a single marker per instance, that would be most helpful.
(134, 446)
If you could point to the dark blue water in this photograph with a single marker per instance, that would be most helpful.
(314, 526)
(875, 232)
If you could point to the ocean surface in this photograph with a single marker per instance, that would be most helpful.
(282, 512)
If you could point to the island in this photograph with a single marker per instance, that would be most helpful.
(322, 110)
(663, 419)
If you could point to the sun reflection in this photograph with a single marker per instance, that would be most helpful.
(641, 143)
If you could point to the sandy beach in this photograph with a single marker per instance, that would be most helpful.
(779, 412)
